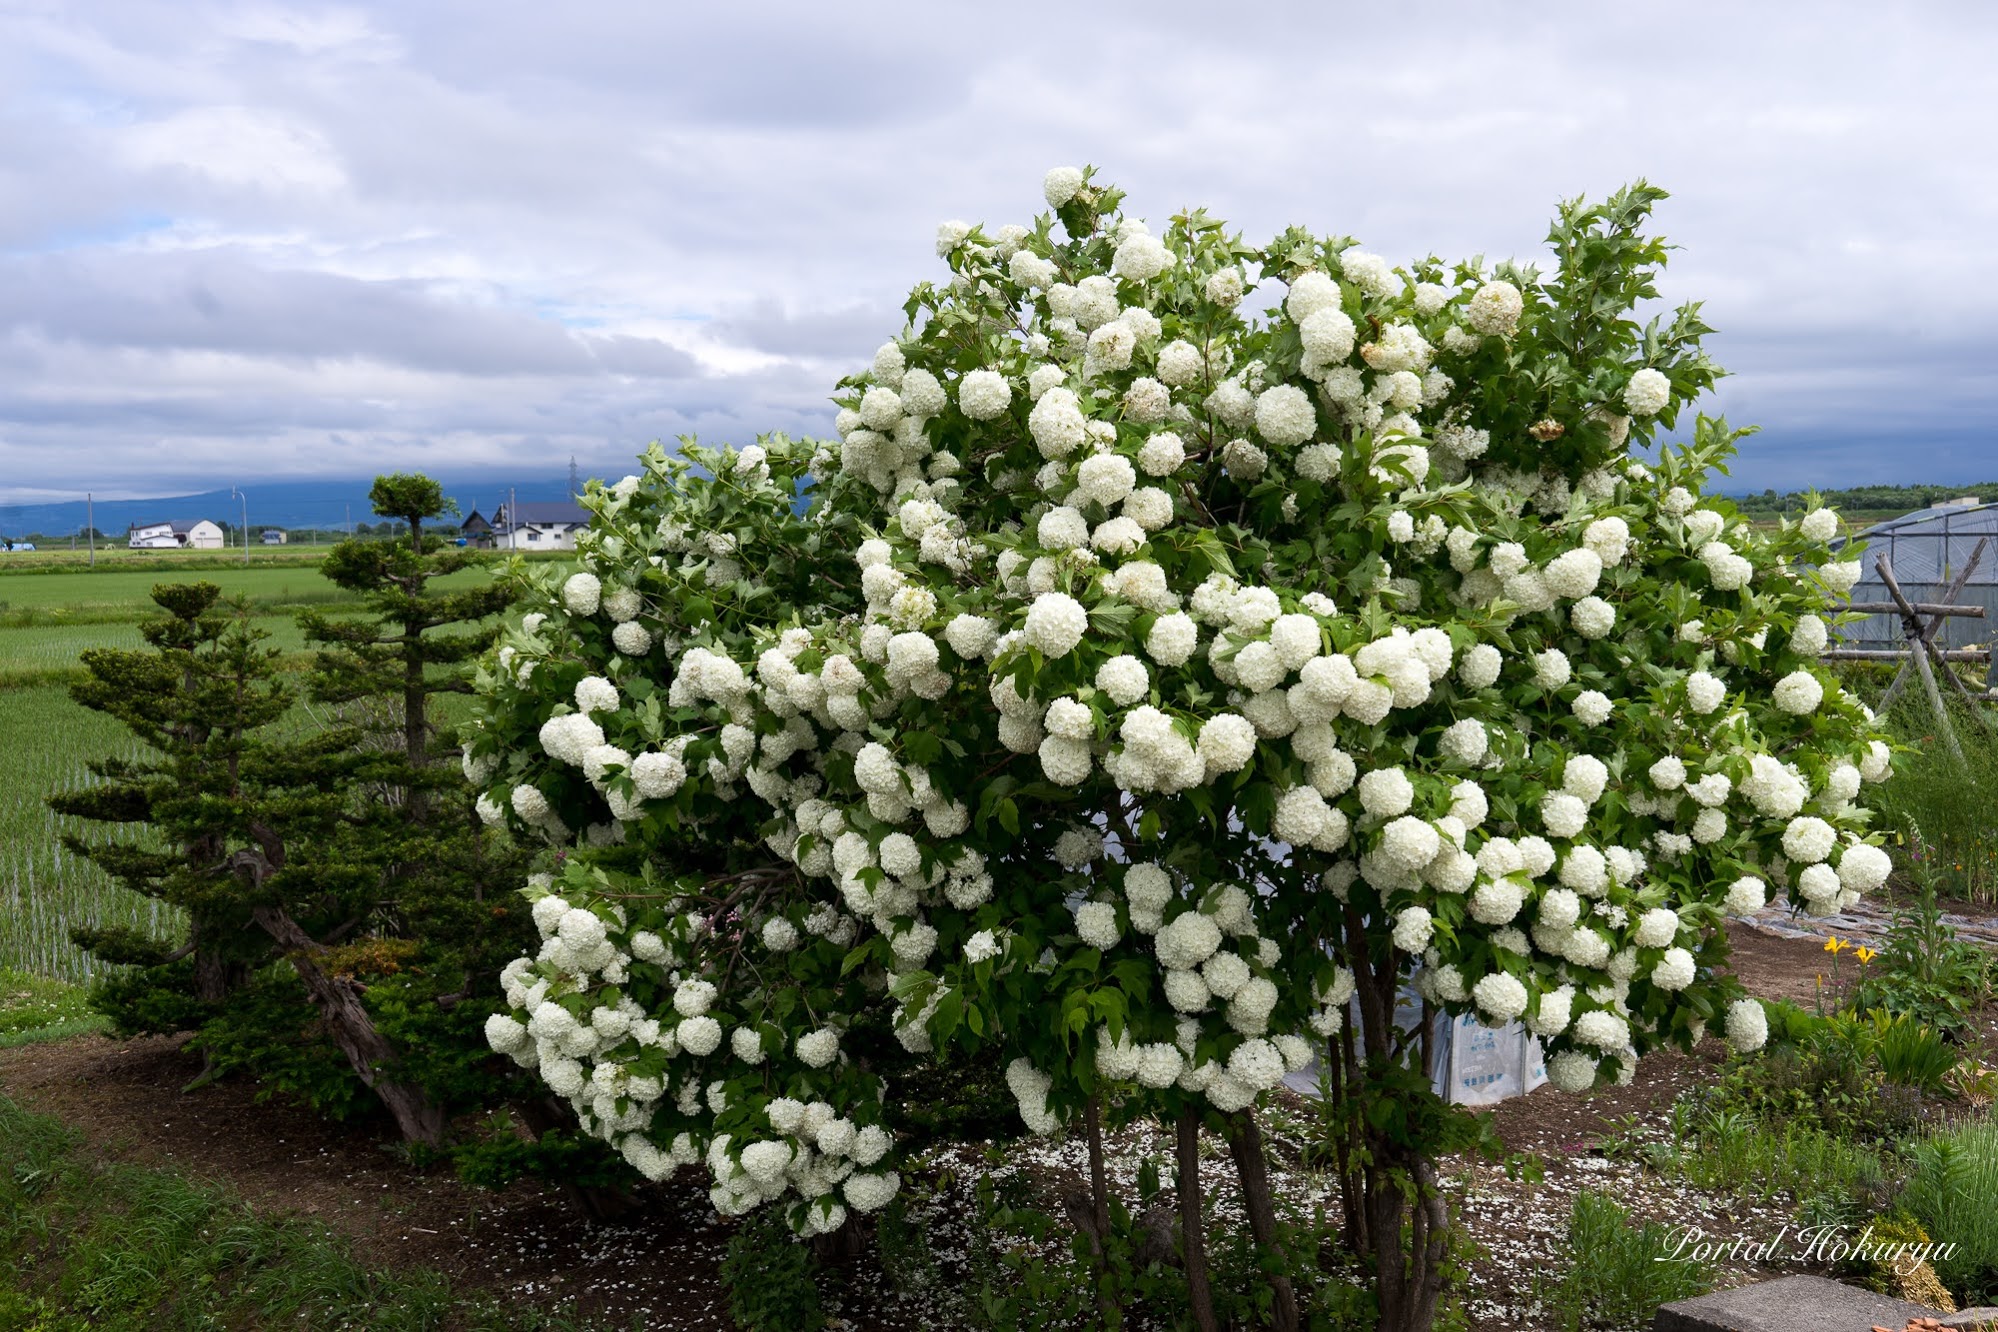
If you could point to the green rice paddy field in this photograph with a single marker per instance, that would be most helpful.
(47, 617)
(112, 588)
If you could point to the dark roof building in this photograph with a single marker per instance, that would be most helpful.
(539, 525)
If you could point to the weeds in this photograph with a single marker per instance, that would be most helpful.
(35, 1008)
(119, 1248)
(1923, 971)
(768, 1271)
(1737, 1154)
(1953, 1193)
(1942, 805)
(1615, 1279)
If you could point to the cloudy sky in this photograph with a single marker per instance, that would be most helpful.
(251, 240)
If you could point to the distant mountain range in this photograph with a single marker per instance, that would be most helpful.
(287, 504)
(334, 504)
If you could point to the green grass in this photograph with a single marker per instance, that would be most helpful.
(48, 618)
(265, 585)
(45, 741)
(169, 562)
(34, 1009)
(131, 587)
(48, 653)
(86, 1244)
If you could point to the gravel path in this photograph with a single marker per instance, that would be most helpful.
(1866, 921)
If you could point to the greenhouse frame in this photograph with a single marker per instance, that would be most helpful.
(1928, 550)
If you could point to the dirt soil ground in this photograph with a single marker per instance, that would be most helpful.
(524, 1243)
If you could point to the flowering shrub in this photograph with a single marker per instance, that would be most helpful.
(1139, 677)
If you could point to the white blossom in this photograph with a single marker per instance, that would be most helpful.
(1647, 393)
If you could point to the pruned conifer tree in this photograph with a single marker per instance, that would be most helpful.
(196, 696)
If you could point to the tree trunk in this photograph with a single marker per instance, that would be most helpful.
(538, 1116)
(1192, 1227)
(368, 1051)
(1394, 1184)
(1245, 1143)
(214, 976)
(1352, 1210)
(1099, 1212)
(1409, 1278)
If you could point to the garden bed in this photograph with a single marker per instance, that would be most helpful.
(524, 1244)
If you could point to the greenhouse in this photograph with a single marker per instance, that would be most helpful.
(1929, 550)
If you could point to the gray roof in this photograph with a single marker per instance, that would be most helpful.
(547, 514)
(1932, 545)
(183, 528)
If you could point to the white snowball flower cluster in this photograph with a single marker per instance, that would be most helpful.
(1495, 308)
(1055, 623)
(582, 593)
(1648, 393)
(1799, 693)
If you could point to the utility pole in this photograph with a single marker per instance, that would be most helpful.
(512, 519)
(234, 493)
(90, 522)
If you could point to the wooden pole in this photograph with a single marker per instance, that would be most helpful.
(1919, 648)
(1942, 608)
(1901, 654)
(1937, 612)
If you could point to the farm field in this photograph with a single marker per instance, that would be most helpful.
(47, 619)
(44, 890)
(48, 652)
(166, 561)
(126, 589)
(178, 562)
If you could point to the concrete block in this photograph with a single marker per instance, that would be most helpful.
(1789, 1304)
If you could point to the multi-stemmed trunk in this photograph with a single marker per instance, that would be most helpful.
(1395, 1215)
(1245, 1144)
(1192, 1228)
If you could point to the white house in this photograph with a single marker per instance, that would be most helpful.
(201, 535)
(538, 526)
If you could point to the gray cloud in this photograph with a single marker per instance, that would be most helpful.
(765, 325)
(219, 302)
(291, 239)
